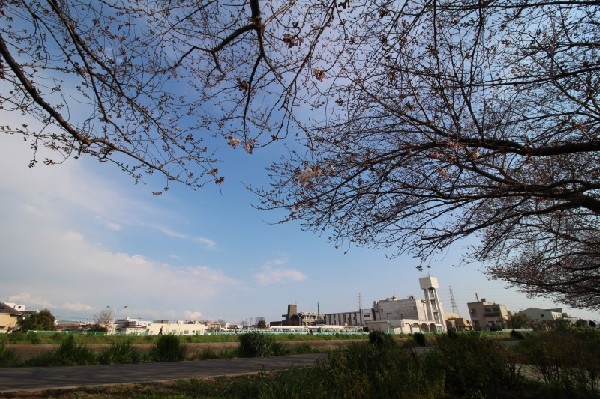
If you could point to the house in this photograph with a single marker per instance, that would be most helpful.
(10, 314)
(456, 323)
(539, 314)
(487, 316)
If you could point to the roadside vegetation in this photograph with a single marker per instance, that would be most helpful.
(53, 337)
(553, 364)
(83, 349)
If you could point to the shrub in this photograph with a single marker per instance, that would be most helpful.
(516, 335)
(168, 348)
(34, 338)
(452, 333)
(120, 352)
(566, 358)
(255, 344)
(299, 383)
(420, 339)
(364, 370)
(8, 357)
(381, 340)
(473, 365)
(69, 353)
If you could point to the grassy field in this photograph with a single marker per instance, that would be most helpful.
(566, 364)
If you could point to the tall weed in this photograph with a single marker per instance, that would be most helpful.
(474, 366)
(380, 369)
(69, 353)
(120, 352)
(255, 344)
(168, 348)
(567, 358)
(8, 357)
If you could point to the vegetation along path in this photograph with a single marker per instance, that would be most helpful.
(35, 378)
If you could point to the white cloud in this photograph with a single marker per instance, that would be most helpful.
(192, 315)
(32, 302)
(273, 273)
(208, 243)
(113, 226)
(54, 251)
(77, 307)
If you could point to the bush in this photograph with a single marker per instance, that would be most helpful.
(34, 338)
(120, 352)
(255, 344)
(516, 335)
(8, 357)
(69, 353)
(420, 339)
(364, 370)
(168, 348)
(381, 340)
(566, 358)
(473, 365)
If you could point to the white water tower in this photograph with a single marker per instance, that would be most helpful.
(433, 306)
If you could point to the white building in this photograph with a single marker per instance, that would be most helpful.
(395, 315)
(131, 326)
(411, 314)
(539, 314)
(433, 305)
(487, 315)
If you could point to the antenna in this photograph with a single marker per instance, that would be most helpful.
(453, 301)
(477, 297)
(359, 302)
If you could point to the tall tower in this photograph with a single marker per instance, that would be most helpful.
(453, 301)
(433, 306)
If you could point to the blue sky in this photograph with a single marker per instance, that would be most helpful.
(81, 236)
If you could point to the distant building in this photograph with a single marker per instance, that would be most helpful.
(456, 323)
(487, 316)
(10, 314)
(69, 325)
(295, 318)
(539, 314)
(215, 326)
(393, 315)
(352, 318)
(130, 326)
(410, 315)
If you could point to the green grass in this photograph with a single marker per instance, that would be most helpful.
(458, 366)
(464, 366)
(93, 339)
